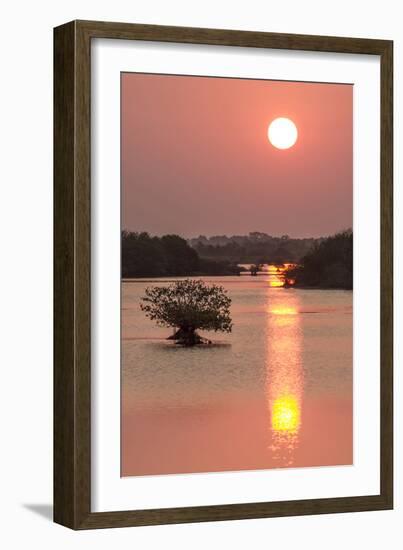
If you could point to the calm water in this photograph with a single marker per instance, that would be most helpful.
(276, 392)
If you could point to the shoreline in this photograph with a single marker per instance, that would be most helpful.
(173, 278)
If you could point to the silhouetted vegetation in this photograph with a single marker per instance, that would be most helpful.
(255, 248)
(321, 263)
(188, 305)
(167, 256)
(329, 264)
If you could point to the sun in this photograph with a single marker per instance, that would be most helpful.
(282, 133)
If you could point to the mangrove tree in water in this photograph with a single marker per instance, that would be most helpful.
(188, 306)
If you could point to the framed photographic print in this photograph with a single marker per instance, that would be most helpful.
(223, 275)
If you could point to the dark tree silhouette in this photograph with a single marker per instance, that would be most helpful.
(180, 258)
(188, 305)
(329, 264)
(167, 256)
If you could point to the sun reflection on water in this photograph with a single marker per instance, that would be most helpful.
(283, 310)
(284, 375)
(276, 282)
(285, 414)
(277, 276)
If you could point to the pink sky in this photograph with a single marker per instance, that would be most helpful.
(196, 158)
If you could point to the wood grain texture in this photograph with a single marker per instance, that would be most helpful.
(72, 342)
(221, 37)
(387, 273)
(64, 377)
(72, 274)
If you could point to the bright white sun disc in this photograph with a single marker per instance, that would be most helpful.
(282, 133)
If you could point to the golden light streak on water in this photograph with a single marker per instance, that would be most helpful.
(283, 310)
(284, 376)
(276, 283)
(286, 414)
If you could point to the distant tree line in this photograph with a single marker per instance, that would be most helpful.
(167, 256)
(321, 263)
(255, 248)
(329, 264)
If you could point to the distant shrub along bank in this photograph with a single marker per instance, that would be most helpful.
(329, 264)
(167, 256)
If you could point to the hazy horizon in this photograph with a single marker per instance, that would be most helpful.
(210, 235)
(196, 159)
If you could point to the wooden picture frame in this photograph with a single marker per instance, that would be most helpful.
(72, 270)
